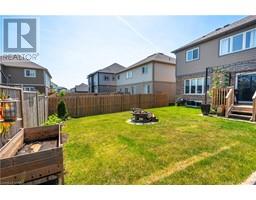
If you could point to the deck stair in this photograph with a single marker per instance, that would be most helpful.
(241, 112)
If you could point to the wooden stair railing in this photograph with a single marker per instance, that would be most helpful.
(254, 107)
(230, 97)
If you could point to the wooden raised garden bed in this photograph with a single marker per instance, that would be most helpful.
(33, 156)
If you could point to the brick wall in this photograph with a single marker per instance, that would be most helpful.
(234, 68)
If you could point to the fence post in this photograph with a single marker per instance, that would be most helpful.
(23, 123)
(76, 106)
(37, 110)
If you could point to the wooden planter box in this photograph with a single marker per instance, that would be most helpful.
(42, 167)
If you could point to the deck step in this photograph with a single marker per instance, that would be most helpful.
(242, 108)
(240, 116)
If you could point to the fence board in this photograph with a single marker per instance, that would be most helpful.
(86, 105)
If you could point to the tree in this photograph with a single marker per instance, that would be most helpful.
(62, 110)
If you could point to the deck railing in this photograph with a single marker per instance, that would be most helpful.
(230, 97)
(219, 97)
(254, 107)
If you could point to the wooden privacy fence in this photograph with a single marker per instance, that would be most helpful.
(84, 105)
(219, 96)
(35, 109)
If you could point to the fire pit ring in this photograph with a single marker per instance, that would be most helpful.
(141, 117)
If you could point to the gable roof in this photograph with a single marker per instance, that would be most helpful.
(114, 68)
(20, 62)
(157, 57)
(244, 22)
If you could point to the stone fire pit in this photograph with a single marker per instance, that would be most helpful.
(140, 116)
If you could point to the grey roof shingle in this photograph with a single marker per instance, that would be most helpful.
(114, 68)
(246, 21)
(19, 62)
(157, 57)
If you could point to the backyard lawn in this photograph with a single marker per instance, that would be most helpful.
(183, 148)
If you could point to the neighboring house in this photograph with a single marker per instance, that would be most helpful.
(154, 74)
(103, 80)
(82, 88)
(56, 88)
(29, 75)
(231, 46)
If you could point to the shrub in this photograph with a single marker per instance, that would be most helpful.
(52, 120)
(62, 93)
(62, 110)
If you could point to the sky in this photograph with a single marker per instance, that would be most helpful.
(71, 47)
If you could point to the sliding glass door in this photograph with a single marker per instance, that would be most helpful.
(246, 85)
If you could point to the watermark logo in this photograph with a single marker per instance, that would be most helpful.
(20, 37)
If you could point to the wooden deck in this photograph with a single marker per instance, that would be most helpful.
(241, 112)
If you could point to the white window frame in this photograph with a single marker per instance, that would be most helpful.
(29, 89)
(129, 75)
(145, 70)
(147, 89)
(191, 50)
(245, 39)
(231, 43)
(30, 70)
(196, 93)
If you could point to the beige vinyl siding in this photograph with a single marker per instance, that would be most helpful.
(209, 56)
(137, 76)
(164, 72)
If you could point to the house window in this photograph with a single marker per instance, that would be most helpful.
(144, 70)
(113, 78)
(133, 90)
(118, 77)
(199, 88)
(187, 86)
(31, 73)
(147, 89)
(225, 46)
(192, 54)
(29, 89)
(250, 39)
(194, 86)
(129, 75)
(106, 78)
(238, 42)
(126, 90)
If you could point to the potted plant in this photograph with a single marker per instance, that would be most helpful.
(205, 108)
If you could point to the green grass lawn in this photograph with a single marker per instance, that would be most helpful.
(183, 148)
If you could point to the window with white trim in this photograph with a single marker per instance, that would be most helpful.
(192, 54)
(194, 86)
(128, 74)
(29, 88)
(144, 70)
(31, 73)
(238, 42)
(147, 89)
(250, 41)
